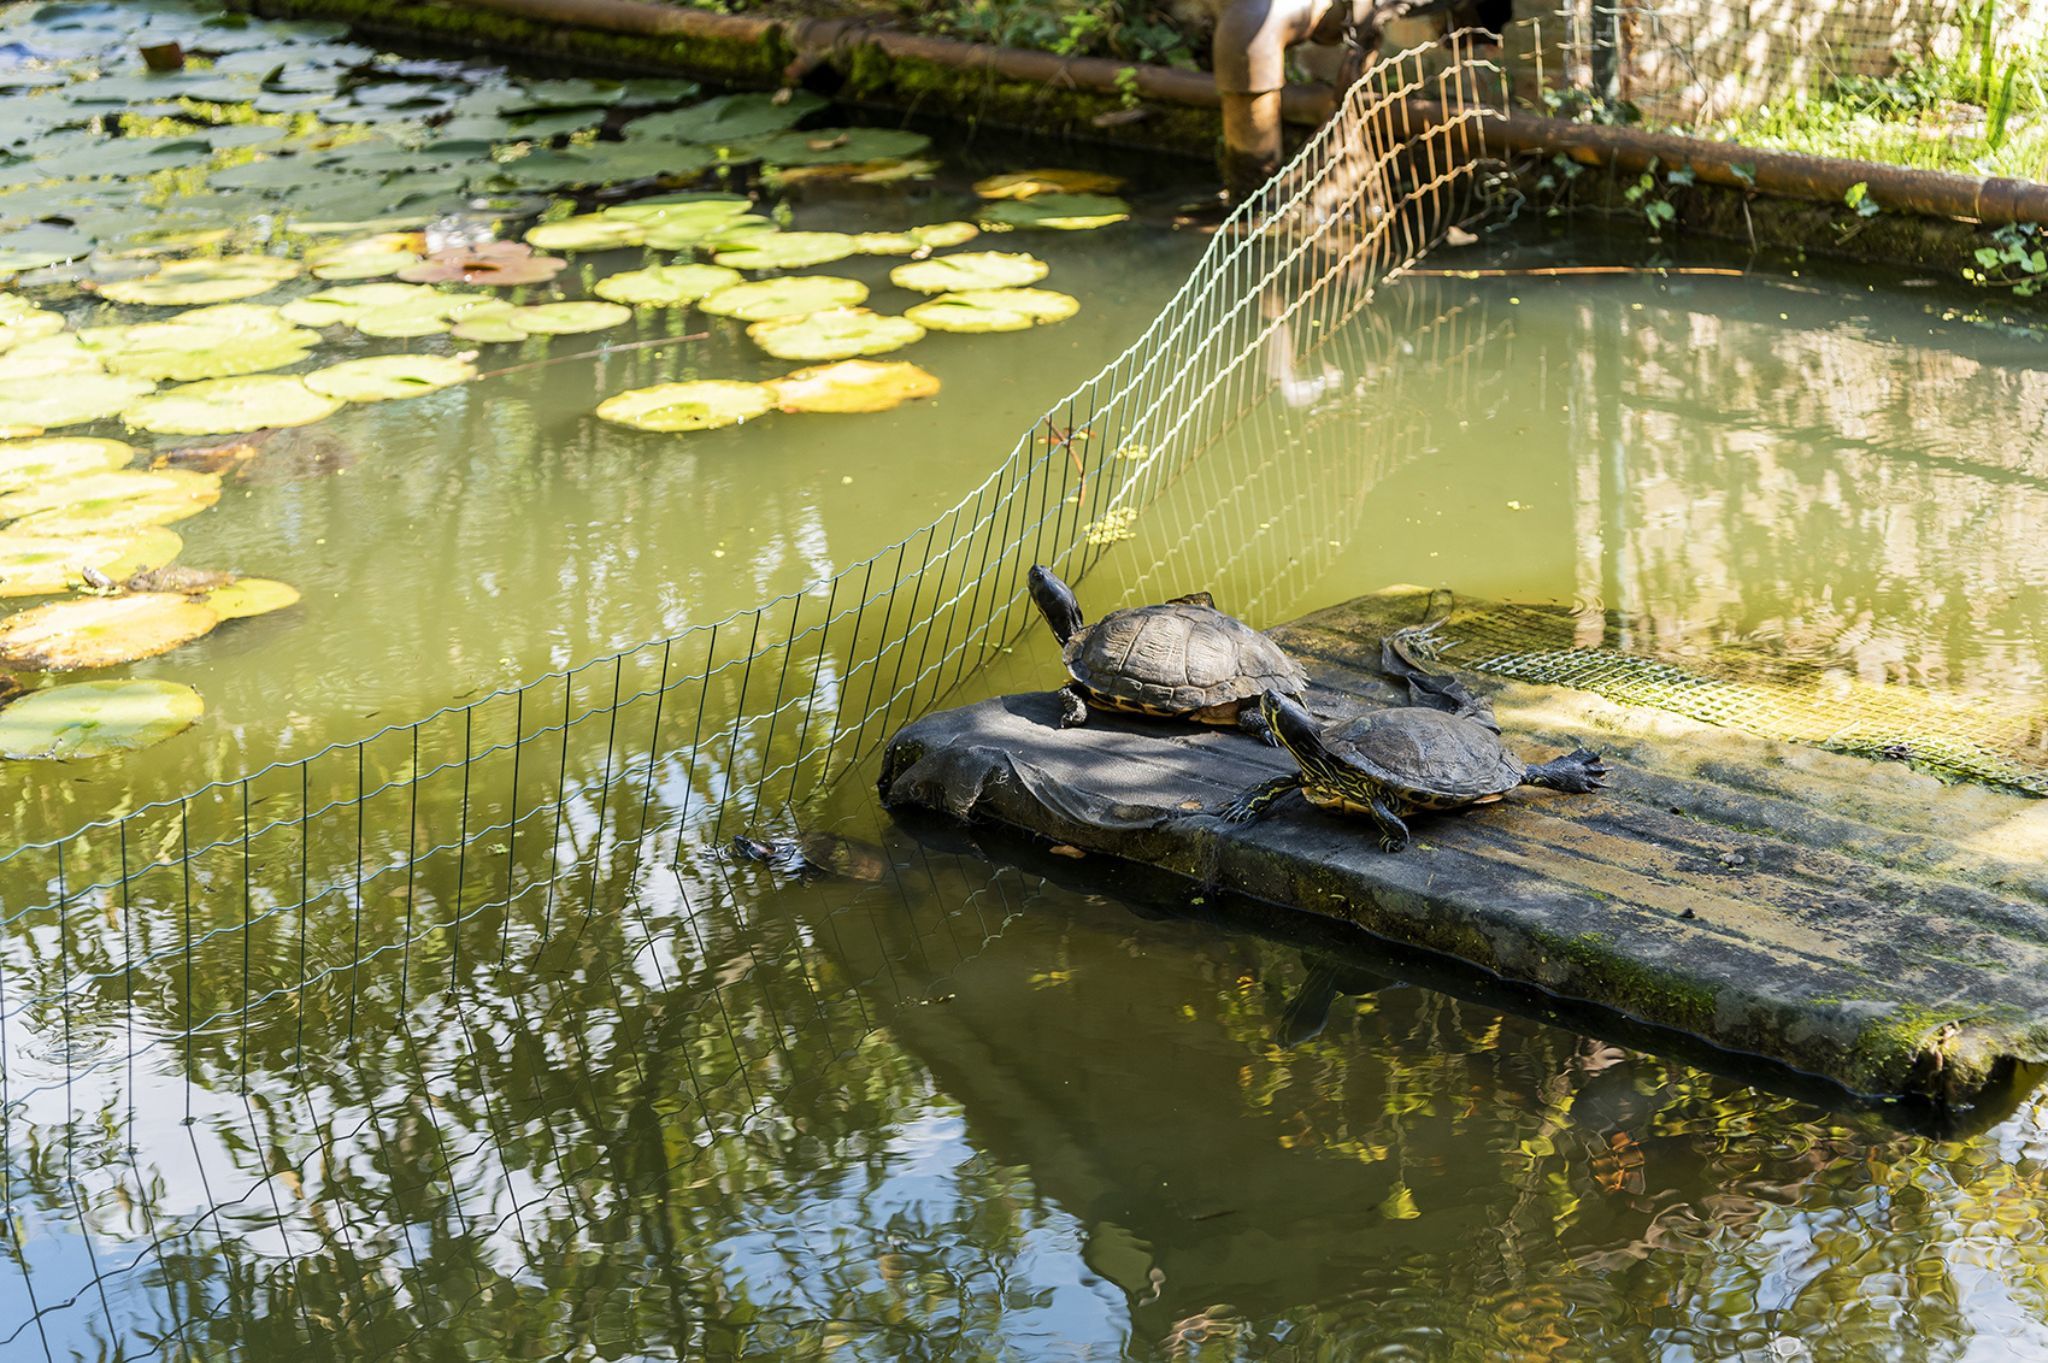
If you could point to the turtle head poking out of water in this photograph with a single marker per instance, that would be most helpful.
(1181, 659)
(1385, 764)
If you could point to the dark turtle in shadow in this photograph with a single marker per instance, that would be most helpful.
(1443, 752)
(1181, 659)
(810, 856)
(1307, 1010)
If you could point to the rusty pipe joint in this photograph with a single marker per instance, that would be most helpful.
(1252, 38)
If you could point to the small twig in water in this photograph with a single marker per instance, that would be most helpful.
(1561, 270)
(589, 355)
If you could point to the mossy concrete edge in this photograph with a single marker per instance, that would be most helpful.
(864, 75)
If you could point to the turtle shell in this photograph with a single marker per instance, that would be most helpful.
(1177, 658)
(1429, 757)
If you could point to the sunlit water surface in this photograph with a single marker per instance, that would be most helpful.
(983, 1103)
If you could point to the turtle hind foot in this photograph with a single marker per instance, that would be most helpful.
(1579, 772)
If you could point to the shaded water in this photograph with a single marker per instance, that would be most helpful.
(983, 1102)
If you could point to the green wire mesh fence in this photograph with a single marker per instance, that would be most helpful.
(215, 951)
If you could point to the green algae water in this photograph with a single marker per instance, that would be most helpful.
(965, 1099)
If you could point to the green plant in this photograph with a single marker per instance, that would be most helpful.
(2017, 259)
(1858, 198)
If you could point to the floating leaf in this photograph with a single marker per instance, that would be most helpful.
(385, 310)
(566, 319)
(970, 270)
(373, 257)
(21, 320)
(27, 462)
(1026, 184)
(32, 248)
(565, 94)
(823, 146)
(917, 239)
(47, 358)
(498, 264)
(393, 223)
(687, 234)
(853, 172)
(67, 636)
(588, 232)
(786, 250)
(853, 386)
(205, 343)
(701, 406)
(380, 378)
(1058, 212)
(489, 326)
(840, 334)
(725, 119)
(680, 208)
(795, 296)
(81, 397)
(994, 310)
(219, 280)
(199, 490)
(43, 565)
(230, 406)
(666, 286)
(94, 719)
(246, 596)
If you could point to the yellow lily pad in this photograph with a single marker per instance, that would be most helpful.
(21, 320)
(41, 405)
(586, 232)
(1026, 184)
(931, 237)
(102, 631)
(112, 485)
(46, 358)
(247, 596)
(685, 234)
(853, 386)
(218, 280)
(840, 334)
(94, 719)
(666, 286)
(371, 257)
(970, 270)
(205, 343)
(786, 250)
(27, 462)
(380, 378)
(43, 565)
(979, 310)
(568, 319)
(1058, 212)
(794, 296)
(700, 406)
(488, 326)
(386, 309)
(230, 406)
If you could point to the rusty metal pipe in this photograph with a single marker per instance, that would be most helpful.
(1252, 38)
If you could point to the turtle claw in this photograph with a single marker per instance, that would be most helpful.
(1393, 844)
(1579, 772)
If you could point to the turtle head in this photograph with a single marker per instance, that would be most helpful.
(1056, 600)
(1293, 725)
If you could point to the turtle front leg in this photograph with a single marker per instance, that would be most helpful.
(1073, 708)
(1259, 799)
(1580, 772)
(1393, 833)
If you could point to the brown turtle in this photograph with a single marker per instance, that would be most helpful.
(1181, 659)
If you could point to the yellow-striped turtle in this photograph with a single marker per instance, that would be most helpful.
(1181, 659)
(1387, 763)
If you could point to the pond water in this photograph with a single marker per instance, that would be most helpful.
(974, 1101)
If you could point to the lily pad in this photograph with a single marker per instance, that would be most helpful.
(978, 310)
(489, 326)
(677, 208)
(199, 490)
(219, 280)
(373, 257)
(43, 565)
(384, 309)
(94, 719)
(102, 631)
(853, 386)
(840, 334)
(689, 233)
(380, 378)
(246, 596)
(32, 248)
(40, 405)
(786, 250)
(918, 239)
(1028, 184)
(230, 406)
(568, 319)
(795, 296)
(831, 146)
(205, 343)
(970, 270)
(24, 463)
(666, 286)
(725, 119)
(701, 406)
(497, 264)
(1058, 212)
(21, 320)
(586, 232)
